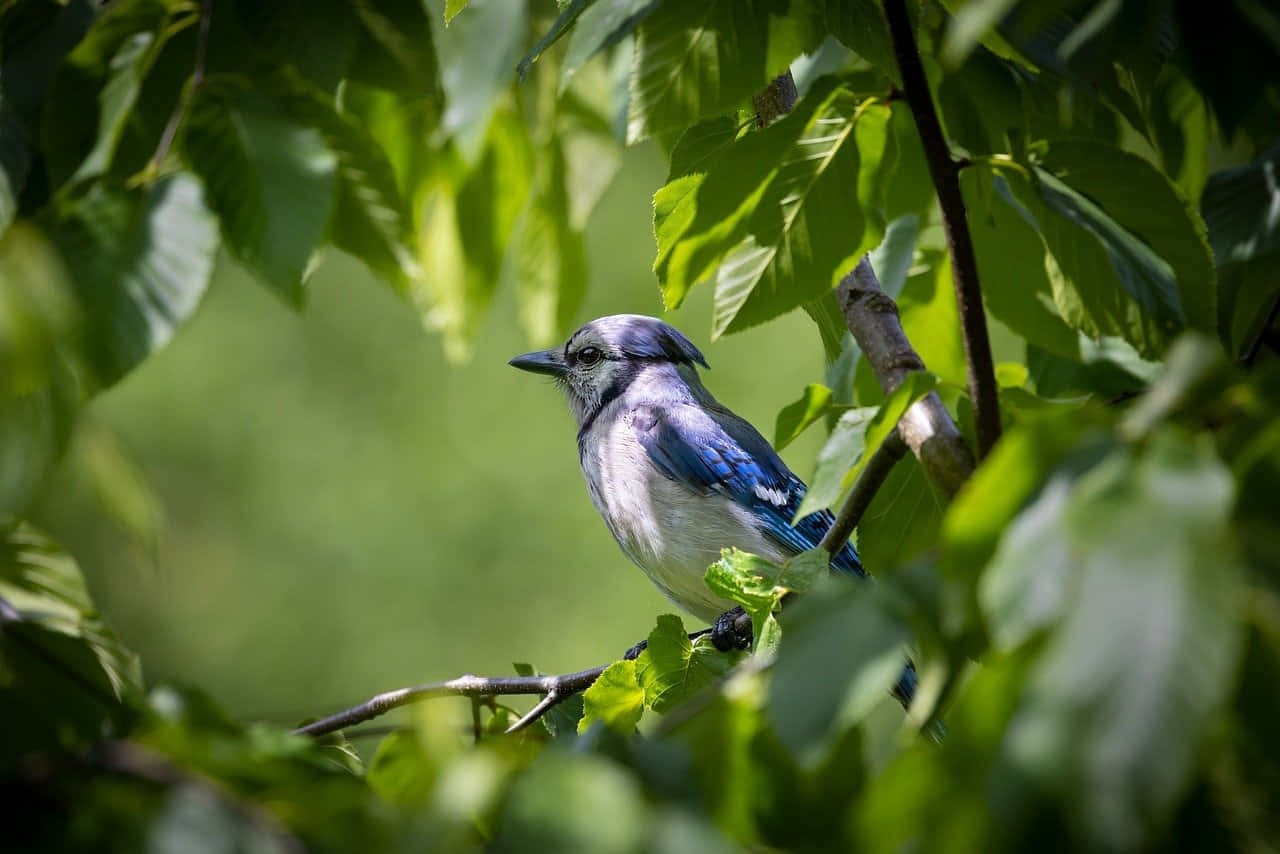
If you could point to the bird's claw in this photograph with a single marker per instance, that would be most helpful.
(732, 630)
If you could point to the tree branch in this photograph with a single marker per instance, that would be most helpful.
(562, 687)
(554, 690)
(926, 427)
(945, 171)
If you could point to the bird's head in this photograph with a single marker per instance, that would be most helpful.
(602, 358)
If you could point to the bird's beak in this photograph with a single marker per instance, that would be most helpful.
(540, 362)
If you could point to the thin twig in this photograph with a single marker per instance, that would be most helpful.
(864, 491)
(945, 171)
(553, 698)
(926, 427)
(188, 91)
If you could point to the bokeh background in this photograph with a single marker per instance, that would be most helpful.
(339, 510)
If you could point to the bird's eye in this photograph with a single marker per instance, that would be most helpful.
(589, 356)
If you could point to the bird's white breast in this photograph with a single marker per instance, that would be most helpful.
(671, 531)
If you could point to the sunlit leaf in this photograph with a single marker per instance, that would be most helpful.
(855, 439)
(480, 50)
(672, 668)
(140, 261)
(616, 699)
(603, 24)
(549, 256)
(765, 213)
(270, 180)
(694, 60)
(568, 15)
(1128, 192)
(795, 418)
(1011, 262)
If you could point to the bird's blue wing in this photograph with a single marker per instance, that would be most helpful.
(713, 450)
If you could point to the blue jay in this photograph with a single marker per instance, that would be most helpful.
(676, 476)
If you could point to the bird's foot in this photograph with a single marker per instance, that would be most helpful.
(634, 653)
(732, 630)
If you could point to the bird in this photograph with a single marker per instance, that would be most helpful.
(675, 474)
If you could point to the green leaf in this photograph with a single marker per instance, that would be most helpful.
(401, 770)
(1011, 474)
(674, 204)
(1026, 585)
(1182, 127)
(574, 803)
(616, 699)
(479, 49)
(860, 26)
(1239, 209)
(370, 219)
(63, 672)
(931, 319)
(672, 668)
(903, 519)
(758, 585)
(843, 448)
(602, 25)
(568, 15)
(841, 653)
(44, 586)
(1116, 709)
(468, 226)
(120, 89)
(856, 438)
(40, 358)
(1016, 288)
(549, 256)
(767, 211)
(94, 91)
(270, 180)
(796, 417)
(591, 152)
(1142, 215)
(697, 59)
(452, 8)
(893, 258)
(140, 262)
(395, 49)
(15, 161)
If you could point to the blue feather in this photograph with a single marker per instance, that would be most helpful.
(712, 450)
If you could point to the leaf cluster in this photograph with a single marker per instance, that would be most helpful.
(1093, 618)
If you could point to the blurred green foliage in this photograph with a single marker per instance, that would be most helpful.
(303, 499)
